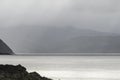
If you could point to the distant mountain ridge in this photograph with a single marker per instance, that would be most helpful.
(63, 40)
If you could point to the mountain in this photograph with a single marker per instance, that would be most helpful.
(62, 40)
(73, 40)
(18, 72)
(4, 49)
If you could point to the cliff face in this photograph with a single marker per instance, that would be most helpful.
(11, 72)
(4, 49)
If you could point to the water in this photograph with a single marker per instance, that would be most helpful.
(69, 67)
(69, 54)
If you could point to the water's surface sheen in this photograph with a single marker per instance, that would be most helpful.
(70, 67)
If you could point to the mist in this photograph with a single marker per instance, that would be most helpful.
(31, 25)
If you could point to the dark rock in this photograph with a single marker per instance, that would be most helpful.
(11, 72)
(4, 49)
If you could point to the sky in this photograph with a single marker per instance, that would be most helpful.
(69, 68)
(23, 21)
(100, 15)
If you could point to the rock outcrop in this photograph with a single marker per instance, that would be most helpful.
(4, 49)
(18, 72)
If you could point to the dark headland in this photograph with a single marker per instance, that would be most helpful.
(5, 49)
(18, 72)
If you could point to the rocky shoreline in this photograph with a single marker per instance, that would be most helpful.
(18, 72)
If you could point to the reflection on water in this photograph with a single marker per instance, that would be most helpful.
(70, 67)
(84, 79)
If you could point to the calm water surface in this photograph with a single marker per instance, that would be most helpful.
(70, 67)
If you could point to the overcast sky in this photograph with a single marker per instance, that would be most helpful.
(22, 22)
(94, 14)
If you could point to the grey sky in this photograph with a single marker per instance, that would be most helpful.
(98, 14)
(26, 24)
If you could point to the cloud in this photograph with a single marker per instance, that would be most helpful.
(104, 6)
(98, 14)
(30, 11)
(33, 16)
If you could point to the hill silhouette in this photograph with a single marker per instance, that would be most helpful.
(18, 72)
(4, 49)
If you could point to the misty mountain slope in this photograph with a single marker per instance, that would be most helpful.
(92, 44)
(62, 40)
(4, 49)
(72, 40)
